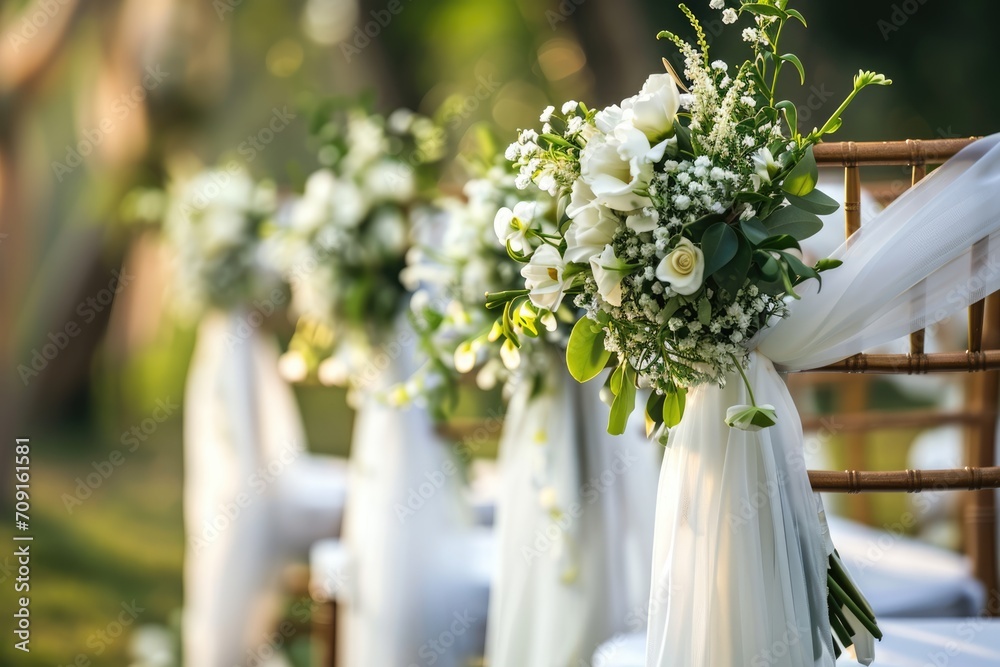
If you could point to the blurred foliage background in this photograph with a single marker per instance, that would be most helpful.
(100, 97)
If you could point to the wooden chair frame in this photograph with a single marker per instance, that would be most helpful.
(981, 361)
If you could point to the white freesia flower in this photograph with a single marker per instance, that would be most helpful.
(654, 109)
(765, 168)
(608, 274)
(512, 226)
(591, 229)
(543, 277)
(612, 178)
(683, 268)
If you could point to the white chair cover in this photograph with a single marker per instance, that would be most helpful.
(245, 468)
(408, 532)
(740, 555)
(574, 521)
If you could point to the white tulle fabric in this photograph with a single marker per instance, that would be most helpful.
(245, 514)
(741, 546)
(407, 533)
(574, 526)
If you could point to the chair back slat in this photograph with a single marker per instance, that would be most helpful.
(981, 360)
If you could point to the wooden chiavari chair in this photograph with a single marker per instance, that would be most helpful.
(980, 362)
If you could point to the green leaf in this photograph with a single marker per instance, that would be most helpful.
(834, 125)
(827, 264)
(761, 9)
(801, 180)
(718, 244)
(705, 311)
(791, 113)
(732, 276)
(798, 266)
(754, 230)
(654, 412)
(793, 221)
(585, 353)
(814, 202)
(769, 268)
(624, 402)
(673, 406)
(696, 230)
(794, 59)
(796, 14)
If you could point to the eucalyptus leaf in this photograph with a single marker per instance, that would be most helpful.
(585, 353)
(802, 179)
(793, 221)
(719, 244)
(754, 230)
(815, 202)
(732, 276)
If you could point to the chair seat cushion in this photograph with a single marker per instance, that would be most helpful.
(969, 642)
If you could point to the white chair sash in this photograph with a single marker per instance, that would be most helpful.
(574, 526)
(408, 531)
(231, 497)
(740, 555)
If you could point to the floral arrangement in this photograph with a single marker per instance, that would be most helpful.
(682, 209)
(343, 242)
(451, 272)
(213, 222)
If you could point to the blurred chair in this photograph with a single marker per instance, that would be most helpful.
(900, 575)
(408, 583)
(254, 499)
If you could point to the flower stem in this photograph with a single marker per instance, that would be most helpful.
(746, 380)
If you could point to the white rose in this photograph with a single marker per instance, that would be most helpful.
(612, 178)
(543, 277)
(683, 268)
(589, 231)
(608, 274)
(512, 226)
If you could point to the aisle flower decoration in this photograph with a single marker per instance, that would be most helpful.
(343, 241)
(683, 208)
(681, 213)
(452, 270)
(213, 222)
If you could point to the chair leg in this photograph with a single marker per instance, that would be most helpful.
(324, 630)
